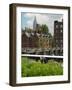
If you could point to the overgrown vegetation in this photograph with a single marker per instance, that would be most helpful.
(30, 67)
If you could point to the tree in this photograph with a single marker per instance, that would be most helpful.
(45, 29)
(50, 36)
(29, 30)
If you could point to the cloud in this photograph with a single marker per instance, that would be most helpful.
(30, 23)
(41, 18)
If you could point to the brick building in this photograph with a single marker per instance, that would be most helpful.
(29, 40)
(35, 40)
(58, 34)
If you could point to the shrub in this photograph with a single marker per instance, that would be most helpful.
(29, 67)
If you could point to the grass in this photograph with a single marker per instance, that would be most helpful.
(32, 68)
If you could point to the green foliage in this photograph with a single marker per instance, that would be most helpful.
(32, 68)
(50, 36)
(45, 29)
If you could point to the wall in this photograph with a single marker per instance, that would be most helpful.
(4, 45)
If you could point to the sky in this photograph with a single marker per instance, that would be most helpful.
(48, 19)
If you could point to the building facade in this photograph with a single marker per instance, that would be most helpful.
(35, 40)
(58, 34)
(29, 40)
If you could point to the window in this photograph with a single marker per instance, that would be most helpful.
(56, 26)
(61, 40)
(61, 30)
(61, 26)
(56, 41)
(55, 30)
(61, 45)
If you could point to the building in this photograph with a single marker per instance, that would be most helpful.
(29, 40)
(35, 39)
(58, 34)
(45, 41)
(34, 23)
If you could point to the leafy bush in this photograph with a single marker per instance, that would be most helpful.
(32, 68)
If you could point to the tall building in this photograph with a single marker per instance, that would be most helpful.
(58, 34)
(34, 23)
